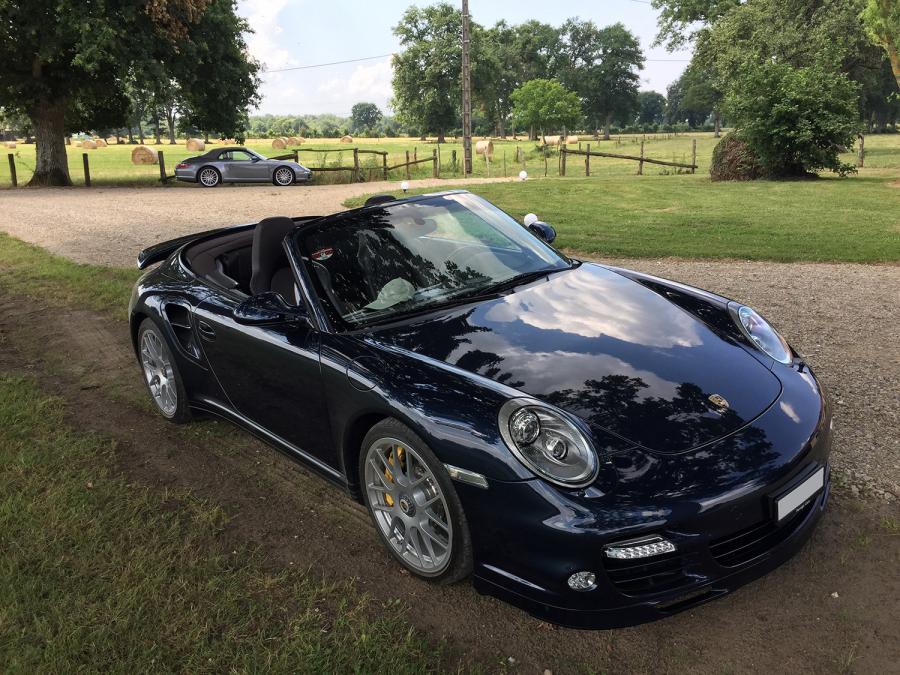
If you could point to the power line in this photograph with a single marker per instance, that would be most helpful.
(323, 65)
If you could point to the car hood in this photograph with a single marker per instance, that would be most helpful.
(605, 348)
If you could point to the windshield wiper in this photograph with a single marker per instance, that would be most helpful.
(509, 284)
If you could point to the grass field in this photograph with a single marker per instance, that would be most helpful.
(99, 575)
(112, 165)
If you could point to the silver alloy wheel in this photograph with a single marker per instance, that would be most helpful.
(159, 373)
(284, 176)
(209, 177)
(408, 505)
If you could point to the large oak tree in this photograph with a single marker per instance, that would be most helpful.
(68, 65)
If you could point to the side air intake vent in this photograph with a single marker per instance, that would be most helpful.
(180, 319)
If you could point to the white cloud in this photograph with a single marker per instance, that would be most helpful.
(371, 82)
(264, 18)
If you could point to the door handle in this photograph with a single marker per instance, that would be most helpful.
(206, 331)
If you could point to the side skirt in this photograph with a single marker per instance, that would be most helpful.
(287, 449)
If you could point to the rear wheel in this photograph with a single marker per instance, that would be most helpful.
(413, 504)
(209, 177)
(161, 374)
(283, 176)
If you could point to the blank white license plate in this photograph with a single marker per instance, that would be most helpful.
(800, 494)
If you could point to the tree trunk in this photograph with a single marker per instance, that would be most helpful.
(441, 138)
(894, 56)
(718, 123)
(141, 131)
(170, 122)
(606, 128)
(130, 136)
(51, 167)
(156, 130)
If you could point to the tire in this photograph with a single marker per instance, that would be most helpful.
(281, 175)
(169, 397)
(209, 177)
(416, 511)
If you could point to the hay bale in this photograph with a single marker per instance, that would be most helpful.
(485, 148)
(293, 140)
(553, 140)
(100, 143)
(195, 145)
(10, 144)
(300, 140)
(77, 144)
(144, 155)
(347, 139)
(89, 145)
(572, 140)
(280, 143)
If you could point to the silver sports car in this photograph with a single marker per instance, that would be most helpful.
(239, 165)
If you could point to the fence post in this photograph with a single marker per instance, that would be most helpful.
(434, 159)
(87, 170)
(357, 178)
(860, 158)
(12, 169)
(162, 166)
(587, 161)
(407, 165)
(415, 153)
(453, 160)
(563, 154)
(384, 165)
(641, 165)
(694, 156)
(296, 156)
(504, 162)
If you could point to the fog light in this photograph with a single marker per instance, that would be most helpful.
(641, 548)
(583, 581)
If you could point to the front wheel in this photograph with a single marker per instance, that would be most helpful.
(161, 374)
(283, 176)
(413, 504)
(209, 177)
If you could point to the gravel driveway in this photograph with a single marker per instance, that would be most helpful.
(844, 317)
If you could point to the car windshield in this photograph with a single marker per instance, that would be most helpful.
(376, 265)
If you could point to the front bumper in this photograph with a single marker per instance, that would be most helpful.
(716, 505)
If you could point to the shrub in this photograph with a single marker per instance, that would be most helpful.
(796, 120)
(733, 159)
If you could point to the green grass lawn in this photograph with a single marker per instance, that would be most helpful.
(831, 219)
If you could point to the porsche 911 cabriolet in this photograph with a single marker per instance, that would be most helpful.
(598, 446)
(239, 165)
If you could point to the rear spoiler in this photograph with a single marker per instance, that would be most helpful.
(159, 252)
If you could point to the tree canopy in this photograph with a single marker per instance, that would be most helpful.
(364, 117)
(71, 66)
(546, 105)
(882, 21)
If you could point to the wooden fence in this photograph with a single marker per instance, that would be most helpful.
(564, 152)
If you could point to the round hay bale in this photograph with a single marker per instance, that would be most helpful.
(280, 143)
(77, 144)
(485, 148)
(100, 143)
(733, 159)
(347, 139)
(572, 140)
(195, 144)
(552, 140)
(300, 140)
(293, 140)
(89, 145)
(10, 144)
(144, 155)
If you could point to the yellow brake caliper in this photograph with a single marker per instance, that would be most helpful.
(387, 474)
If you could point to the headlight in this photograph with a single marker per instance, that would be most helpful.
(760, 333)
(547, 443)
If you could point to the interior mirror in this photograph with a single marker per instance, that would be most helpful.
(267, 308)
(543, 231)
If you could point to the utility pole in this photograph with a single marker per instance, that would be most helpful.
(466, 91)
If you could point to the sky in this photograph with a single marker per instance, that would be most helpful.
(293, 33)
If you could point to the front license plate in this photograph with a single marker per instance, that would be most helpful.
(800, 494)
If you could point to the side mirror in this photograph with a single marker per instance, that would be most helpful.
(543, 231)
(267, 308)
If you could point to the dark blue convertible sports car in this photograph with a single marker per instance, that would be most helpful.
(598, 446)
